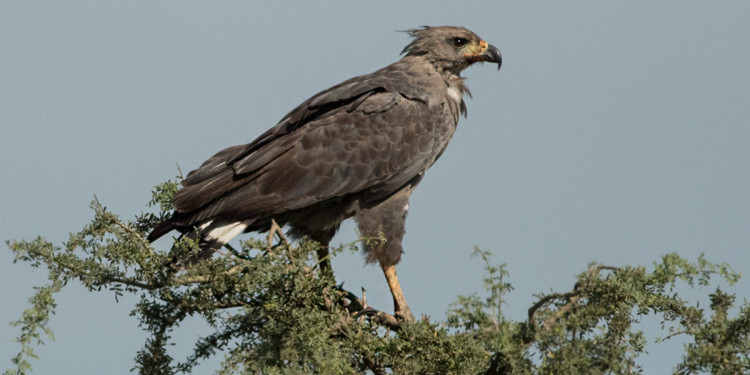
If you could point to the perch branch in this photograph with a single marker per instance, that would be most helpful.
(379, 317)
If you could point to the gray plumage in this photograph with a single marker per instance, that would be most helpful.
(357, 149)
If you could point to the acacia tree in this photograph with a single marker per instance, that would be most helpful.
(273, 312)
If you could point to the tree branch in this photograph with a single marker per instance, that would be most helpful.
(545, 300)
(572, 297)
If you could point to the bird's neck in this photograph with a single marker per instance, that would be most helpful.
(456, 82)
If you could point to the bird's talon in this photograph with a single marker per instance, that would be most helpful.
(404, 316)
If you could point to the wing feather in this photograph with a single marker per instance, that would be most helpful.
(365, 135)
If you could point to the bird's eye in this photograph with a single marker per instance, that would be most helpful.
(459, 42)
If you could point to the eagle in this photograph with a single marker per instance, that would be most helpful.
(357, 149)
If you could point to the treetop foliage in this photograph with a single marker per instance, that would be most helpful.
(272, 311)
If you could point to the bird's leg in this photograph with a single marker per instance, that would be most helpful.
(401, 309)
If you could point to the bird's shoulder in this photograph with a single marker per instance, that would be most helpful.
(409, 77)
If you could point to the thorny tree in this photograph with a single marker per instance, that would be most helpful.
(273, 312)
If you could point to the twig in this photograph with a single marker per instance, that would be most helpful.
(134, 233)
(573, 297)
(275, 229)
(234, 252)
(185, 280)
(364, 302)
(130, 282)
(179, 170)
(604, 267)
(145, 245)
(675, 334)
(533, 309)
(552, 320)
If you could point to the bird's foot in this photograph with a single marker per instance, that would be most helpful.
(403, 313)
(400, 307)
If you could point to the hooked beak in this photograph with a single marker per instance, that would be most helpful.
(486, 53)
(492, 54)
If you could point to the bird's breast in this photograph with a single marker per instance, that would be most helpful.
(455, 94)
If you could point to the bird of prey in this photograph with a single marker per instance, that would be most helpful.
(357, 149)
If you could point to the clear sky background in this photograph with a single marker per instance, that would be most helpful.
(615, 132)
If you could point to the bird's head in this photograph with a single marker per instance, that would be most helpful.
(451, 48)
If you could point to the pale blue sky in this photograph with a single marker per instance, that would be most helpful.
(613, 133)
